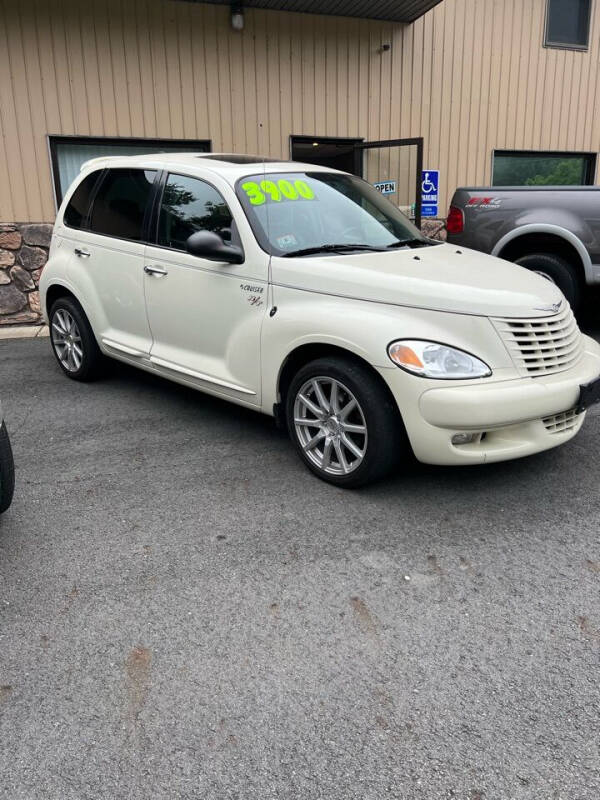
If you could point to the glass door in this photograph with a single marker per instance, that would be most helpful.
(394, 167)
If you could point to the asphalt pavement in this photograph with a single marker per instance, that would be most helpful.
(186, 612)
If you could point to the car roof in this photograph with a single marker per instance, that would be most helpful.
(230, 165)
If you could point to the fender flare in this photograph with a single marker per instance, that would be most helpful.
(65, 285)
(555, 230)
(271, 379)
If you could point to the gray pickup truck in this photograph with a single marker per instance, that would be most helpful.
(553, 230)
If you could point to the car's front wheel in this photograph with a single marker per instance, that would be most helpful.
(344, 422)
(73, 341)
(7, 470)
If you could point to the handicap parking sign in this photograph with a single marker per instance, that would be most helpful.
(430, 183)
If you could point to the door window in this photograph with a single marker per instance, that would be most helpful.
(190, 205)
(120, 203)
(78, 206)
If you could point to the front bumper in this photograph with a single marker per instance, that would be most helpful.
(515, 417)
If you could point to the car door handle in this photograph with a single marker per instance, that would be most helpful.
(82, 253)
(149, 269)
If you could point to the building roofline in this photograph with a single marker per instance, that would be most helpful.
(387, 10)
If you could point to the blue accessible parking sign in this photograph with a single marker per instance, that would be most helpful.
(430, 183)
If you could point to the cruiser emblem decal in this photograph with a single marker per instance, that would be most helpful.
(255, 292)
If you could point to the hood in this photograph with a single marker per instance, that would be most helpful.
(440, 278)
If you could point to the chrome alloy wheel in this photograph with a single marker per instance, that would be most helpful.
(330, 426)
(66, 339)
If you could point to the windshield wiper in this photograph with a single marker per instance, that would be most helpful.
(330, 248)
(410, 243)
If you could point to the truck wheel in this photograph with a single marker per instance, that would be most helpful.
(7, 470)
(557, 270)
(73, 341)
(346, 427)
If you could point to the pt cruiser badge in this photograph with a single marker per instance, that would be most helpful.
(553, 309)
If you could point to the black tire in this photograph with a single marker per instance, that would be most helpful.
(92, 360)
(385, 442)
(558, 270)
(7, 470)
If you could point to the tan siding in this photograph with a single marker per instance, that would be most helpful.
(469, 76)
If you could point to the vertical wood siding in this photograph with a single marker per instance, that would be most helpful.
(469, 76)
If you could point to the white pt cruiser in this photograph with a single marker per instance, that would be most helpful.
(303, 293)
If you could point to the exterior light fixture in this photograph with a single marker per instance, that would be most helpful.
(237, 18)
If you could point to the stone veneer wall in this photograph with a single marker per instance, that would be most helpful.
(24, 251)
(434, 228)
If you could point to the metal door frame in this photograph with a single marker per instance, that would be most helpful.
(414, 141)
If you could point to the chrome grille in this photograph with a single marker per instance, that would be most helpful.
(561, 423)
(542, 345)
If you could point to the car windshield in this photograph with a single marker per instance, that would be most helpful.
(305, 213)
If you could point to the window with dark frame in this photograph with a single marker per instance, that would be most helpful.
(531, 168)
(68, 153)
(568, 23)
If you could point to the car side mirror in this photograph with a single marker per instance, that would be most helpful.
(206, 244)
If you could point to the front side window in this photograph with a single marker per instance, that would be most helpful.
(78, 206)
(568, 23)
(514, 168)
(297, 211)
(120, 203)
(190, 205)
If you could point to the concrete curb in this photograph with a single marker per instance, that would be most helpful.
(23, 331)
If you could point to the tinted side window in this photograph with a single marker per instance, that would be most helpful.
(78, 206)
(120, 203)
(189, 205)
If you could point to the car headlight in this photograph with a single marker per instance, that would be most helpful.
(434, 360)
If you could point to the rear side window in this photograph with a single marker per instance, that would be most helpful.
(120, 203)
(189, 205)
(79, 204)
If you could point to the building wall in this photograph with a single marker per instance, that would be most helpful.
(469, 76)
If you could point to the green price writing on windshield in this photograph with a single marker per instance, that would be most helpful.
(259, 193)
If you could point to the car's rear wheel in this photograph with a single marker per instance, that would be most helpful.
(73, 341)
(344, 423)
(557, 270)
(7, 470)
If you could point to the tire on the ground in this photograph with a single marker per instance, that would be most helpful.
(7, 470)
(93, 361)
(563, 274)
(387, 442)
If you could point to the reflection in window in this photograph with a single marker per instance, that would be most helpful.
(336, 209)
(513, 168)
(190, 205)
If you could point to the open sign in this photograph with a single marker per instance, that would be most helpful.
(386, 187)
